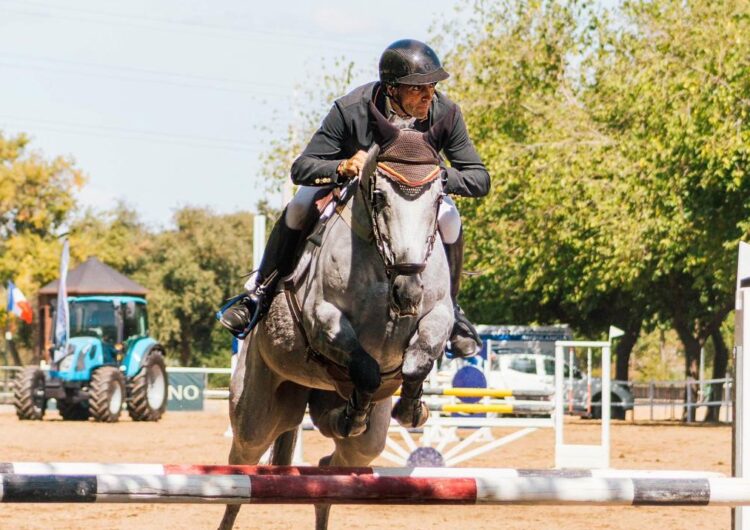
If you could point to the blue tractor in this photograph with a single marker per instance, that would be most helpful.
(110, 361)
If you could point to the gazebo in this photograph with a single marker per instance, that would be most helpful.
(91, 277)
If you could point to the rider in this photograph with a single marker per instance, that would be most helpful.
(406, 95)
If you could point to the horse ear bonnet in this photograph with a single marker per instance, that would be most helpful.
(407, 156)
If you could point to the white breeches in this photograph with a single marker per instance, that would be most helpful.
(449, 220)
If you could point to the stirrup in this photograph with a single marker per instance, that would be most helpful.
(465, 331)
(257, 302)
(250, 304)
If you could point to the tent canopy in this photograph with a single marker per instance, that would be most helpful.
(94, 277)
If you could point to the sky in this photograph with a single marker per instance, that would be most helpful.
(170, 103)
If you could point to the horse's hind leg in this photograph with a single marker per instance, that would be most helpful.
(262, 407)
(358, 451)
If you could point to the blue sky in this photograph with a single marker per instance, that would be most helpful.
(163, 103)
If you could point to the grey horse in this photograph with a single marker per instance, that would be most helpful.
(368, 309)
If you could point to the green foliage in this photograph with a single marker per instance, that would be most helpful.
(36, 199)
(189, 272)
(617, 145)
(558, 238)
(670, 85)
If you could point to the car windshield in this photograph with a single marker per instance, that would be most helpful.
(549, 368)
(93, 319)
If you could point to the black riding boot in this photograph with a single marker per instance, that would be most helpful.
(465, 340)
(278, 261)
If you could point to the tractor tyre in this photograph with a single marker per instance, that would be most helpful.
(72, 411)
(147, 390)
(28, 394)
(106, 394)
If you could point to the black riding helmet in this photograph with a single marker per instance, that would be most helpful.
(410, 62)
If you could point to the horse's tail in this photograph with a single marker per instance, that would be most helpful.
(283, 448)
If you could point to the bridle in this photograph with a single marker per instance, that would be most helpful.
(392, 269)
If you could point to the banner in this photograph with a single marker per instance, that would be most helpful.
(62, 318)
(18, 305)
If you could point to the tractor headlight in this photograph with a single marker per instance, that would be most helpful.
(66, 364)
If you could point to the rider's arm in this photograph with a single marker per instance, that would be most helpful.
(466, 175)
(318, 163)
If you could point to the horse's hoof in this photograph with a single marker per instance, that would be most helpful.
(340, 425)
(410, 413)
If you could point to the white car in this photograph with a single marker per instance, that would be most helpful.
(536, 371)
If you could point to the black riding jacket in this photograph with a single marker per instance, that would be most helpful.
(345, 130)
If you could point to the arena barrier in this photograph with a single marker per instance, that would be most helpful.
(373, 489)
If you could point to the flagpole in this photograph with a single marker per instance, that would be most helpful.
(62, 317)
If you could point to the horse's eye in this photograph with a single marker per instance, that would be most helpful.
(378, 200)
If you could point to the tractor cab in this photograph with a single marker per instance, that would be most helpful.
(115, 321)
(104, 330)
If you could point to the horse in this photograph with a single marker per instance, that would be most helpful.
(367, 310)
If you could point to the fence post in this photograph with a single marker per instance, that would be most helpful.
(689, 400)
(741, 409)
(651, 399)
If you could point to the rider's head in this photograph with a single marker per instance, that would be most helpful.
(409, 70)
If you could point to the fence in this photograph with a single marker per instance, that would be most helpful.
(674, 400)
(653, 400)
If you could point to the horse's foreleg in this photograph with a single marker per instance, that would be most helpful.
(334, 333)
(353, 452)
(426, 346)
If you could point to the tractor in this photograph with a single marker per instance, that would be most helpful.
(110, 360)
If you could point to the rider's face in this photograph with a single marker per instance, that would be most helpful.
(416, 99)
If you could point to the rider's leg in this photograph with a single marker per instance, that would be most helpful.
(278, 262)
(465, 341)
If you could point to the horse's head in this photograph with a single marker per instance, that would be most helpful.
(403, 192)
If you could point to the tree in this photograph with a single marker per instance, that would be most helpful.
(190, 271)
(37, 197)
(671, 84)
(559, 236)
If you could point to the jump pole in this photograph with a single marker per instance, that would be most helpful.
(369, 489)
(93, 468)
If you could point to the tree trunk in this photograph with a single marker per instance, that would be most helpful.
(692, 362)
(622, 351)
(715, 390)
(14, 352)
(185, 350)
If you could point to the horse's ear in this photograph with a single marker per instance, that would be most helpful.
(437, 135)
(368, 168)
(383, 130)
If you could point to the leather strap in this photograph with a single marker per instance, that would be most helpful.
(362, 232)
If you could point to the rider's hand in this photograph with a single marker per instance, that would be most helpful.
(351, 167)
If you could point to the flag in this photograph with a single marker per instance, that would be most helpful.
(18, 305)
(62, 320)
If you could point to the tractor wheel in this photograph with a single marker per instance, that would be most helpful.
(147, 391)
(28, 394)
(106, 394)
(72, 411)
